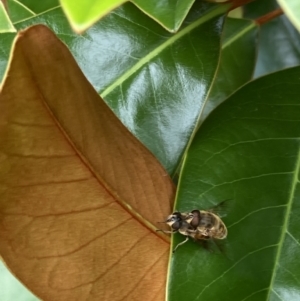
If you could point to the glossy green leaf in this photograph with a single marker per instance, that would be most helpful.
(237, 61)
(160, 110)
(11, 288)
(168, 105)
(84, 14)
(248, 151)
(279, 41)
(24, 9)
(5, 23)
(18, 11)
(38, 7)
(292, 10)
(170, 14)
(5, 45)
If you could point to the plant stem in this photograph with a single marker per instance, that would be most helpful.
(269, 16)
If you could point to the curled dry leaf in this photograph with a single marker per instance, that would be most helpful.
(80, 196)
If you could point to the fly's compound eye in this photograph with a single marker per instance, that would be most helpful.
(176, 225)
(195, 220)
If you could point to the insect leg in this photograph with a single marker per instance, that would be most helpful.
(190, 231)
(167, 232)
(181, 243)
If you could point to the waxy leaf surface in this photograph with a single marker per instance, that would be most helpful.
(18, 12)
(35, 7)
(170, 14)
(80, 196)
(237, 61)
(5, 23)
(247, 150)
(279, 41)
(84, 14)
(292, 10)
(156, 82)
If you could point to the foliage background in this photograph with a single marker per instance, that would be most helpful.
(167, 82)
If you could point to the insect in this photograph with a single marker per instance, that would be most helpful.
(201, 225)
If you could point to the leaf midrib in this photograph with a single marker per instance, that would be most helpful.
(155, 52)
(37, 15)
(285, 224)
(238, 35)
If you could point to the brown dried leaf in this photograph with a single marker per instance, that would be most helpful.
(80, 196)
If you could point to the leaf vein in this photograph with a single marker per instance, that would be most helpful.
(152, 54)
(293, 237)
(236, 263)
(253, 212)
(241, 179)
(83, 245)
(276, 294)
(254, 293)
(289, 272)
(285, 224)
(244, 142)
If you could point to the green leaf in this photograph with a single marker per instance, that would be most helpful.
(5, 23)
(247, 150)
(38, 7)
(84, 14)
(21, 10)
(189, 58)
(160, 81)
(18, 12)
(170, 14)
(237, 61)
(6, 43)
(292, 10)
(279, 42)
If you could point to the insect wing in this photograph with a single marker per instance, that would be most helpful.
(213, 245)
(222, 208)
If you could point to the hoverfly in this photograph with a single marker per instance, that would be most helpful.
(201, 225)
